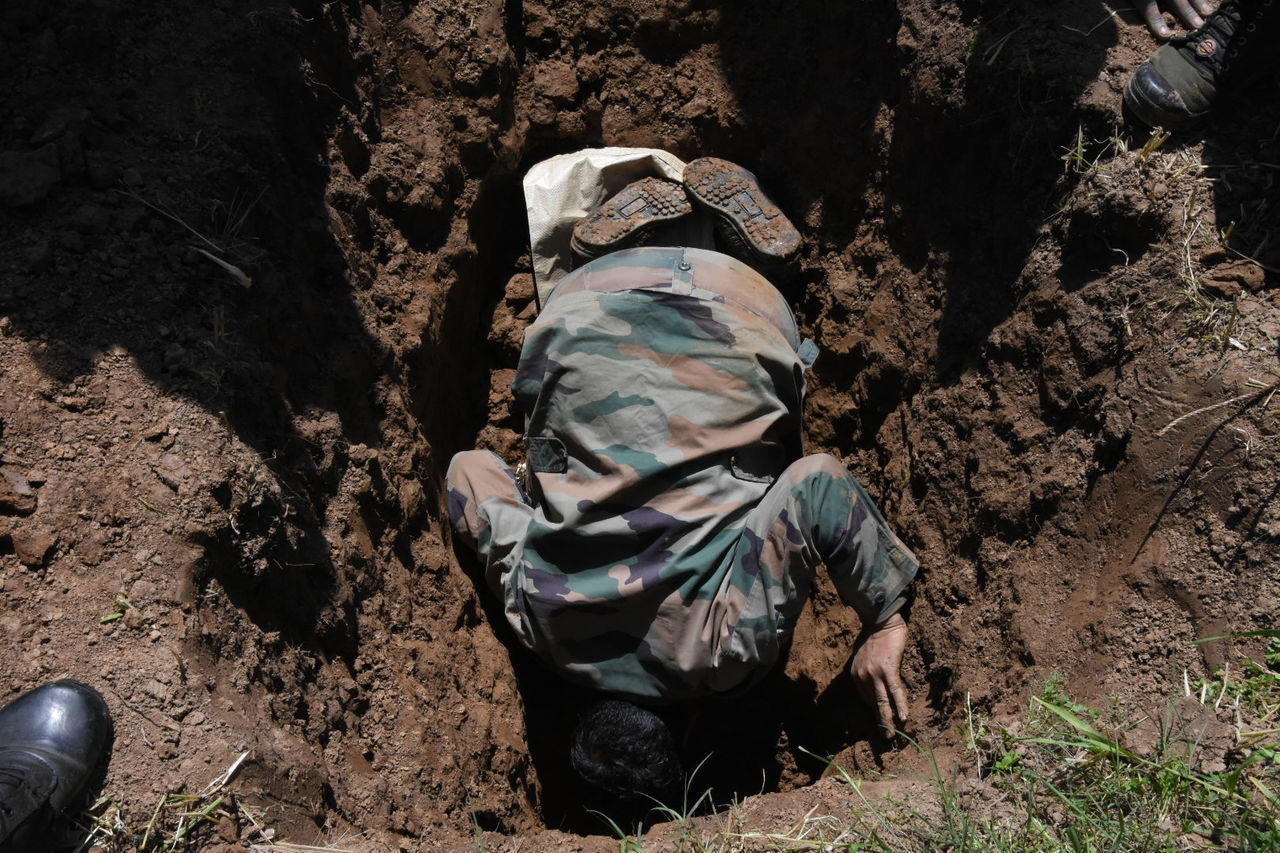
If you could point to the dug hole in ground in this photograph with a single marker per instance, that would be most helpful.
(264, 269)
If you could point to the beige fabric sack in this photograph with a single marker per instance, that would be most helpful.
(560, 191)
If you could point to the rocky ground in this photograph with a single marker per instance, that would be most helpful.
(264, 269)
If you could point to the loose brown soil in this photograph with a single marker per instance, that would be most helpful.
(254, 473)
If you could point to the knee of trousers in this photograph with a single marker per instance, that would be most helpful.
(469, 468)
(818, 463)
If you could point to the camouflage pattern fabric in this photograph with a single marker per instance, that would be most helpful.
(663, 546)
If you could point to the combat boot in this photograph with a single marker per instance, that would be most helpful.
(1184, 80)
(52, 742)
(752, 227)
(630, 218)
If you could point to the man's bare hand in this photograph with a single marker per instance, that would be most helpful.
(1190, 12)
(876, 669)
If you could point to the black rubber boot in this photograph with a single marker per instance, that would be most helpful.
(1185, 80)
(52, 742)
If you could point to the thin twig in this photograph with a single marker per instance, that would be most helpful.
(1111, 14)
(223, 780)
(1251, 395)
(163, 723)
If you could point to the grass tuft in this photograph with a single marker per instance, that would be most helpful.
(183, 822)
(1204, 776)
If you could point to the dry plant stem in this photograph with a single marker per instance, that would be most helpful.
(1256, 395)
(286, 847)
(233, 270)
(1253, 261)
(225, 779)
(173, 218)
(1086, 33)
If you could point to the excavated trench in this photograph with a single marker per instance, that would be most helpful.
(973, 367)
(991, 369)
(921, 187)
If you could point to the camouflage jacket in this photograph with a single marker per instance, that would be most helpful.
(662, 545)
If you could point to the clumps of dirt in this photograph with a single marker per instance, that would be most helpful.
(221, 504)
(1114, 226)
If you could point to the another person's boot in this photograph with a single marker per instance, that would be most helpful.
(52, 742)
(1184, 80)
(753, 228)
(629, 218)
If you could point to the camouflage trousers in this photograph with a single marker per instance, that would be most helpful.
(816, 512)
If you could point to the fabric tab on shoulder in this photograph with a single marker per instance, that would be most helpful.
(807, 353)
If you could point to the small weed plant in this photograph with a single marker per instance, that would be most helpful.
(184, 822)
(1078, 786)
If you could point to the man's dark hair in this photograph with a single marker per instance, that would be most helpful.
(626, 751)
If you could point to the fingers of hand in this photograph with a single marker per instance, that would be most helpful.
(884, 706)
(876, 671)
(1155, 20)
(1205, 7)
(899, 694)
(1188, 15)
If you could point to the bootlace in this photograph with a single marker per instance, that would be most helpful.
(1221, 28)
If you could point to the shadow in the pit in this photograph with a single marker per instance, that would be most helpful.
(729, 748)
(1242, 157)
(551, 710)
(211, 140)
(971, 179)
(958, 121)
(811, 81)
(778, 734)
(455, 346)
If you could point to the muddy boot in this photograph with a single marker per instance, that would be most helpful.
(752, 227)
(1184, 80)
(52, 742)
(631, 218)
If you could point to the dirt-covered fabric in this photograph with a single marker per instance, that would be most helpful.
(671, 526)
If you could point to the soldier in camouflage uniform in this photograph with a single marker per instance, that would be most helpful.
(663, 543)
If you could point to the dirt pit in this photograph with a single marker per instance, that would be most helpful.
(220, 500)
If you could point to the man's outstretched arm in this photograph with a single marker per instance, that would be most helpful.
(818, 513)
(871, 569)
